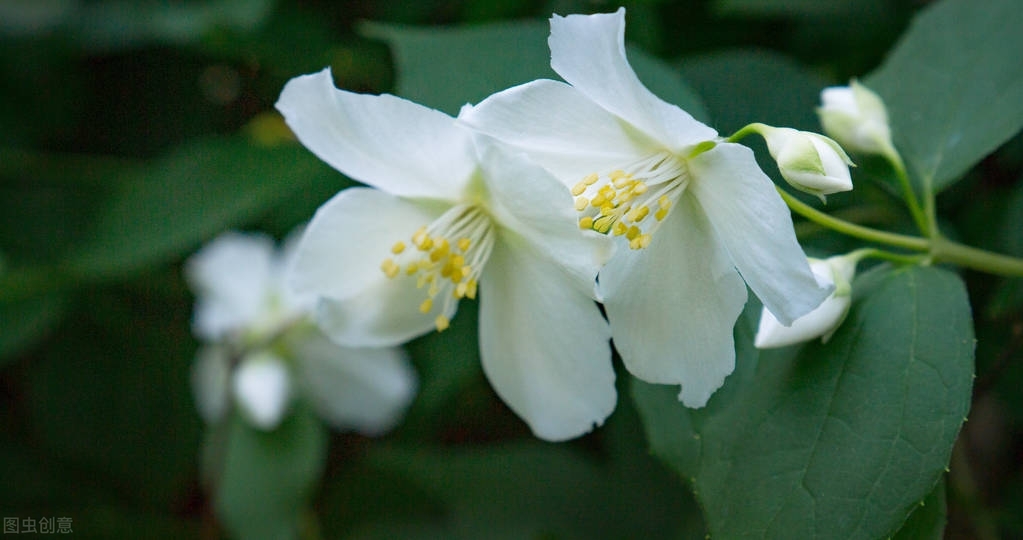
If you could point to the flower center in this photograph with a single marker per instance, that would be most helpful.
(621, 201)
(445, 257)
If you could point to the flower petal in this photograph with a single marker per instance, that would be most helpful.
(672, 306)
(231, 277)
(820, 322)
(362, 389)
(383, 314)
(754, 225)
(343, 246)
(588, 51)
(393, 144)
(262, 388)
(210, 374)
(559, 127)
(292, 300)
(528, 202)
(544, 346)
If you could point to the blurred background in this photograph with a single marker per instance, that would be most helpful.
(132, 132)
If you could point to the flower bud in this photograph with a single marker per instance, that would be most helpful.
(822, 321)
(808, 161)
(855, 117)
(262, 388)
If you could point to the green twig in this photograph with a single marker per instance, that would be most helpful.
(924, 220)
(852, 229)
(938, 248)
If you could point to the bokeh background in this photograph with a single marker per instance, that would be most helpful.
(131, 132)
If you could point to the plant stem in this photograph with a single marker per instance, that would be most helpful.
(938, 248)
(852, 229)
(901, 258)
(924, 219)
(943, 250)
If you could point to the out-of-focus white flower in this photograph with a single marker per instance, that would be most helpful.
(452, 212)
(262, 349)
(702, 220)
(821, 322)
(808, 161)
(238, 280)
(856, 117)
(211, 375)
(262, 388)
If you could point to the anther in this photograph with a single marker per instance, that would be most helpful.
(389, 267)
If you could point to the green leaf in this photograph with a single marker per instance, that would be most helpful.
(954, 87)
(773, 89)
(267, 477)
(531, 489)
(447, 363)
(27, 320)
(447, 68)
(118, 24)
(196, 191)
(835, 441)
(797, 8)
(109, 393)
(927, 522)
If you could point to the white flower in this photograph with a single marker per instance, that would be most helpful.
(856, 117)
(262, 351)
(821, 322)
(452, 213)
(262, 388)
(211, 373)
(239, 287)
(808, 161)
(700, 215)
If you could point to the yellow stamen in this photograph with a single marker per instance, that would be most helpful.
(440, 250)
(389, 267)
(445, 257)
(603, 224)
(620, 201)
